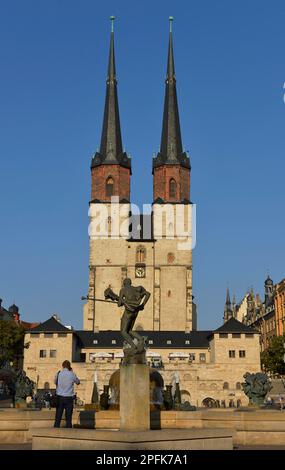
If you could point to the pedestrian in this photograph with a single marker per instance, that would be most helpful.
(46, 398)
(64, 381)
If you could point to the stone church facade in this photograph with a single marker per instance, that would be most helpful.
(155, 251)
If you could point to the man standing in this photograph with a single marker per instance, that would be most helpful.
(64, 381)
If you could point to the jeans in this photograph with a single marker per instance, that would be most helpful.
(64, 403)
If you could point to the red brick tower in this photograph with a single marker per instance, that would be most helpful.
(171, 166)
(111, 167)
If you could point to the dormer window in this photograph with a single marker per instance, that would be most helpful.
(168, 341)
(114, 341)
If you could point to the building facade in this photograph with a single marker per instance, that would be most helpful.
(155, 251)
(209, 364)
(252, 311)
(280, 307)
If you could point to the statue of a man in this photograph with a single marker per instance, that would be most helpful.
(131, 298)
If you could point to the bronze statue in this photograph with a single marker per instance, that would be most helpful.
(256, 387)
(134, 300)
(24, 387)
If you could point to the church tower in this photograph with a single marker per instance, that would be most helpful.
(111, 167)
(171, 215)
(110, 205)
(171, 166)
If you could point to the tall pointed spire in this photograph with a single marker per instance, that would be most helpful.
(171, 150)
(111, 149)
(228, 313)
(228, 299)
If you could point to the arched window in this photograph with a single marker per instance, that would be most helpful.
(109, 224)
(226, 386)
(238, 386)
(172, 188)
(109, 187)
(140, 254)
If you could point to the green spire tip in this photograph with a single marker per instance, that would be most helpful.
(170, 23)
(112, 18)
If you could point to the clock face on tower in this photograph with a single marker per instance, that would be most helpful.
(140, 271)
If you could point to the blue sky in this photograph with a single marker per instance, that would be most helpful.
(230, 69)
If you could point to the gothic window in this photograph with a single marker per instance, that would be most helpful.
(109, 187)
(172, 188)
(140, 254)
(226, 386)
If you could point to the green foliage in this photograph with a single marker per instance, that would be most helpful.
(11, 340)
(273, 358)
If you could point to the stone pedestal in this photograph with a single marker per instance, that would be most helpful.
(134, 397)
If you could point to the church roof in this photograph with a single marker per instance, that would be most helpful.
(171, 149)
(111, 148)
(235, 326)
(52, 325)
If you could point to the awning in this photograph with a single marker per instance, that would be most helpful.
(153, 354)
(101, 354)
(179, 354)
(119, 354)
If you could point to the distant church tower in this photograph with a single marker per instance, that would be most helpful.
(228, 311)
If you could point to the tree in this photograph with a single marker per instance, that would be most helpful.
(273, 358)
(12, 344)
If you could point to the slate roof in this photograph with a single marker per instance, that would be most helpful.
(50, 326)
(198, 339)
(235, 326)
(111, 148)
(171, 149)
